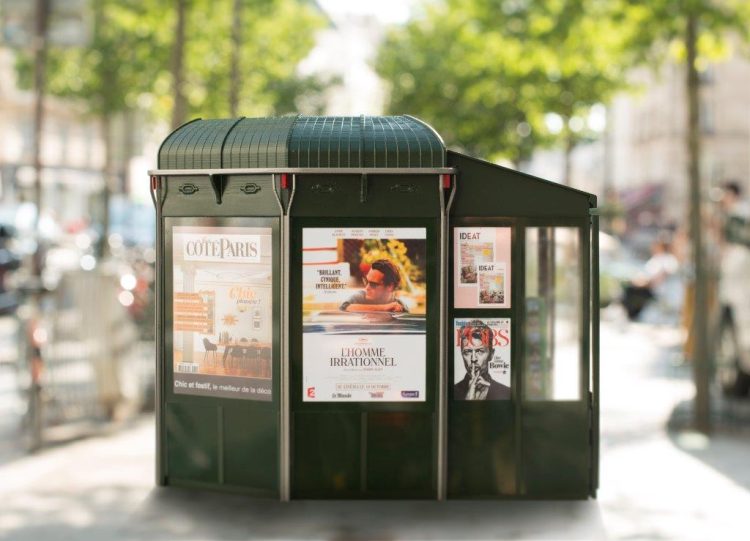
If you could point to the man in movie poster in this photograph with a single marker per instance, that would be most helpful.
(379, 294)
(482, 351)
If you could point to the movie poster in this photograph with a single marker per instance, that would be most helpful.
(364, 305)
(222, 311)
(481, 359)
(482, 267)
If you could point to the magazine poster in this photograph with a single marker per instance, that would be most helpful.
(364, 305)
(482, 267)
(481, 359)
(222, 312)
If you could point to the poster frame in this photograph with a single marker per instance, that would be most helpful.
(432, 280)
(221, 221)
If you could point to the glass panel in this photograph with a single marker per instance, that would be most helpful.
(482, 267)
(553, 314)
(364, 314)
(481, 359)
(222, 311)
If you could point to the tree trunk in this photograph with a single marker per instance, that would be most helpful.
(702, 417)
(608, 189)
(568, 156)
(128, 138)
(235, 80)
(179, 111)
(40, 66)
(106, 129)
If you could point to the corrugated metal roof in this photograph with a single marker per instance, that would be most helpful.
(196, 145)
(303, 141)
(258, 142)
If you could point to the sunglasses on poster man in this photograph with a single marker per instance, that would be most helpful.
(371, 284)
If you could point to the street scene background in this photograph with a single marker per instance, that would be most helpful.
(644, 104)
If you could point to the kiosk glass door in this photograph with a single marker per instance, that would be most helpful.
(555, 407)
(553, 314)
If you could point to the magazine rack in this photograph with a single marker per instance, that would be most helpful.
(347, 310)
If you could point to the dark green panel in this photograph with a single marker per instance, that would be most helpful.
(326, 454)
(481, 449)
(555, 449)
(251, 450)
(488, 190)
(482, 435)
(384, 195)
(351, 456)
(192, 442)
(240, 437)
(400, 454)
(243, 195)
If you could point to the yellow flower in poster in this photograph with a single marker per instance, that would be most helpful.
(229, 320)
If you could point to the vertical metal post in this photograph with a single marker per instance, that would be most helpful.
(594, 354)
(285, 444)
(442, 361)
(156, 196)
(702, 413)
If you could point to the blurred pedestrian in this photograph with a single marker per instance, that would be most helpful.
(734, 293)
(663, 279)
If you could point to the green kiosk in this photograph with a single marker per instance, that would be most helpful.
(345, 309)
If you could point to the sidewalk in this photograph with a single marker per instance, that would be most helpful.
(654, 484)
(657, 484)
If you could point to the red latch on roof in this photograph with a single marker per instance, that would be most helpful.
(154, 183)
(284, 181)
(446, 181)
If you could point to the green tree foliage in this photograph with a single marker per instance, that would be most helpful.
(486, 72)
(117, 66)
(276, 36)
(126, 65)
(661, 28)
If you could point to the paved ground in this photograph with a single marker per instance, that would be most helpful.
(655, 484)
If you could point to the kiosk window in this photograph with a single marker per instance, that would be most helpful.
(482, 267)
(222, 288)
(364, 312)
(552, 331)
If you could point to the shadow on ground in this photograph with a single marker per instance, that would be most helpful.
(171, 513)
(727, 449)
(52, 514)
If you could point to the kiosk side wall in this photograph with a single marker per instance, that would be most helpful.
(212, 438)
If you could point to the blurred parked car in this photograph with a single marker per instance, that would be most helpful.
(9, 261)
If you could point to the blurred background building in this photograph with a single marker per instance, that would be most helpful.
(649, 129)
(71, 148)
